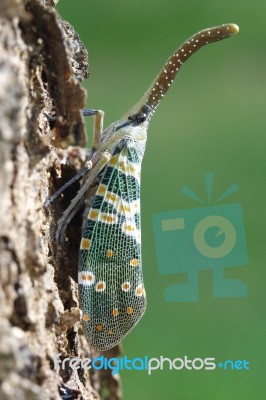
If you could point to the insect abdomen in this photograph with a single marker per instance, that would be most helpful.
(112, 294)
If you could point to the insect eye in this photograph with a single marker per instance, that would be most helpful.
(138, 118)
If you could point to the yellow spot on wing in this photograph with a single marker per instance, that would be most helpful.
(99, 327)
(136, 205)
(128, 228)
(85, 244)
(140, 291)
(101, 189)
(86, 317)
(122, 166)
(100, 286)
(90, 277)
(113, 160)
(115, 312)
(134, 262)
(112, 197)
(93, 214)
(128, 209)
(129, 310)
(109, 253)
(124, 208)
(134, 170)
(125, 286)
(108, 218)
(86, 278)
(96, 215)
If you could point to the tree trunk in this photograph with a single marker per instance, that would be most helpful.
(42, 61)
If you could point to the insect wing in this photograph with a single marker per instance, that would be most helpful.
(112, 294)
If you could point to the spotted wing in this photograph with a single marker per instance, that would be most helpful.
(112, 294)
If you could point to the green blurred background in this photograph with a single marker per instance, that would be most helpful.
(210, 121)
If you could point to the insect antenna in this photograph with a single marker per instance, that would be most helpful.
(166, 76)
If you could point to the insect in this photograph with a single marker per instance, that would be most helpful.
(112, 294)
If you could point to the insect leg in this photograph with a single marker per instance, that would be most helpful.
(76, 203)
(97, 128)
(75, 178)
(98, 117)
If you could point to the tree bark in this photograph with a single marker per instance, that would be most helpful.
(42, 61)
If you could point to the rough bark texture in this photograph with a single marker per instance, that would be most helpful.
(42, 61)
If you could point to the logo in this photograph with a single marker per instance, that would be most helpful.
(211, 237)
(148, 364)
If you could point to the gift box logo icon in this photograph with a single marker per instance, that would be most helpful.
(211, 237)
